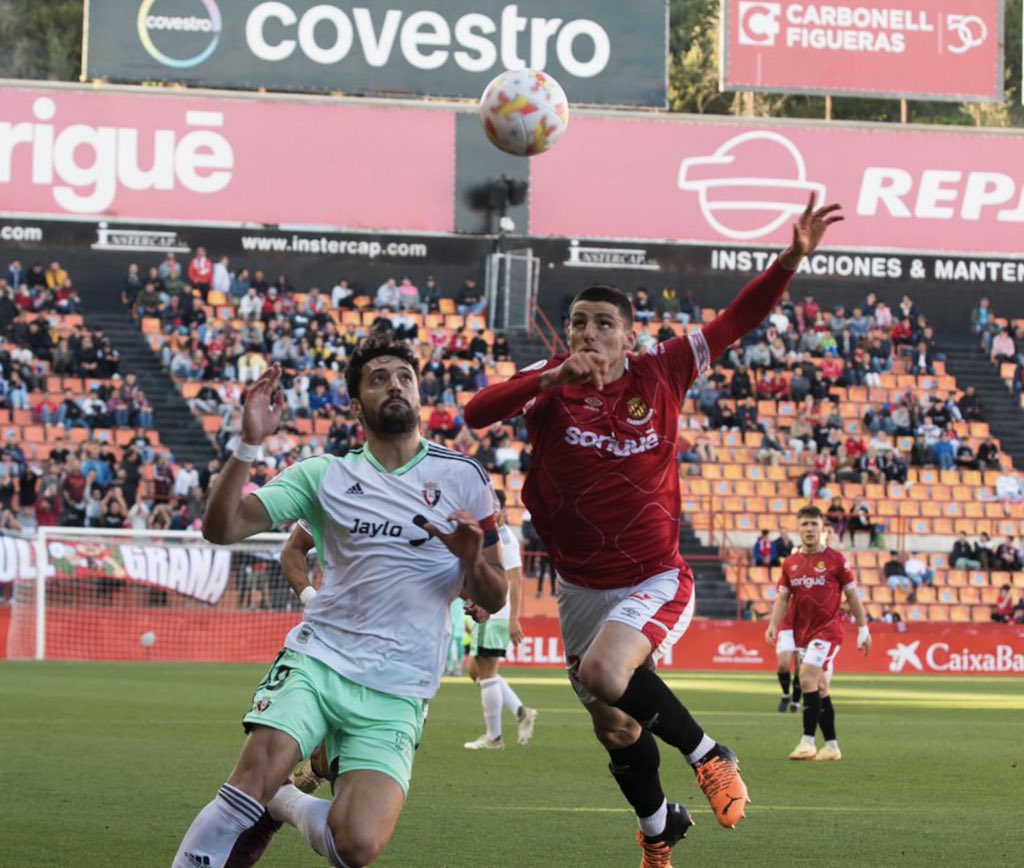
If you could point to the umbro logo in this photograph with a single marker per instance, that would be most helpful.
(355, 489)
(197, 860)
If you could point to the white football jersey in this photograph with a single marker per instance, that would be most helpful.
(382, 617)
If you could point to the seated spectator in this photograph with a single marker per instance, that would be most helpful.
(468, 300)
(965, 457)
(763, 550)
(1003, 347)
(836, 518)
(782, 547)
(984, 553)
(643, 307)
(944, 452)
(970, 405)
(1008, 487)
(1002, 611)
(501, 350)
(988, 455)
(918, 571)
(859, 521)
(964, 555)
(771, 450)
(441, 423)
(1008, 556)
(895, 576)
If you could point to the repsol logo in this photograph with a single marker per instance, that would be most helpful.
(375, 528)
(428, 39)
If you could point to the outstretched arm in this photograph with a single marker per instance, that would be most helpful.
(758, 297)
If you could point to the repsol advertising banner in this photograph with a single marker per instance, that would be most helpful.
(903, 48)
(678, 178)
(602, 52)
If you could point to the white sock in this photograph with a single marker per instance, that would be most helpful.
(654, 824)
(707, 744)
(490, 696)
(509, 698)
(216, 828)
(807, 739)
(832, 743)
(306, 813)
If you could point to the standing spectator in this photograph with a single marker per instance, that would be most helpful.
(185, 479)
(221, 280)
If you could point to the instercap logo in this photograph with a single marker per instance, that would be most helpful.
(198, 31)
(970, 30)
(902, 655)
(753, 184)
(759, 23)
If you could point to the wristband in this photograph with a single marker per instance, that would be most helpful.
(246, 452)
(863, 634)
(307, 594)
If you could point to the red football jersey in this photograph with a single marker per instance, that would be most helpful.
(603, 490)
(816, 583)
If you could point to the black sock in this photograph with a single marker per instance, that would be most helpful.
(812, 712)
(827, 721)
(649, 701)
(796, 690)
(784, 682)
(635, 769)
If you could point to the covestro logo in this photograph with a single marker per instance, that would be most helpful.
(177, 36)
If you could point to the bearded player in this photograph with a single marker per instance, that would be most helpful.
(603, 493)
(814, 581)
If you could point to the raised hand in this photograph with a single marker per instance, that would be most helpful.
(808, 231)
(261, 415)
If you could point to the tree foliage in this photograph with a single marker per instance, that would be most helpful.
(41, 39)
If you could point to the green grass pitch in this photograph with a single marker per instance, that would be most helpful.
(106, 764)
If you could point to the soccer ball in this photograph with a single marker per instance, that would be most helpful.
(524, 112)
(147, 639)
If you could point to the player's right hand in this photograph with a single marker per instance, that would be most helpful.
(771, 635)
(261, 415)
(579, 369)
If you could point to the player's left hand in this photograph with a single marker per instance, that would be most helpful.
(864, 640)
(515, 633)
(808, 231)
(466, 542)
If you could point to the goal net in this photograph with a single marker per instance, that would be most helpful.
(88, 594)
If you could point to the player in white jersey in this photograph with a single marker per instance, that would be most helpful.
(400, 527)
(490, 641)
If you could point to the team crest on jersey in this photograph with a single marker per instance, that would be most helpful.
(431, 493)
(637, 411)
(820, 566)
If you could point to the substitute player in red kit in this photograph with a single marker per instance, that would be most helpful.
(814, 581)
(603, 493)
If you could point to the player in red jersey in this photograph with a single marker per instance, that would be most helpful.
(603, 494)
(814, 581)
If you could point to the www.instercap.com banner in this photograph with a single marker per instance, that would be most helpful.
(899, 48)
(602, 52)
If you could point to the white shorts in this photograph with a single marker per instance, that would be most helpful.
(785, 644)
(657, 607)
(821, 654)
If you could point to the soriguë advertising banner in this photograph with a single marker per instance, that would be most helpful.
(728, 182)
(949, 50)
(602, 52)
(166, 156)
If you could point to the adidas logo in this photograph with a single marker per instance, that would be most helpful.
(355, 489)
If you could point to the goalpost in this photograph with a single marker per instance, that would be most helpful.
(94, 594)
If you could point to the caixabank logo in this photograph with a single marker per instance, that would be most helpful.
(179, 33)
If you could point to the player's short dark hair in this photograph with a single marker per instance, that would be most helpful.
(810, 511)
(611, 294)
(502, 497)
(377, 344)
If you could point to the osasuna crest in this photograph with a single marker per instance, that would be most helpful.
(431, 493)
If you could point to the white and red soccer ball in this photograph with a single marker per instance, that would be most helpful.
(524, 112)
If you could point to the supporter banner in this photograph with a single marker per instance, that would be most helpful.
(907, 48)
(159, 155)
(200, 572)
(699, 181)
(602, 52)
(902, 649)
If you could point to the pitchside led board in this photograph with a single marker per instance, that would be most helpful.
(603, 52)
(913, 49)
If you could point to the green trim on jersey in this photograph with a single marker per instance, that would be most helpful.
(294, 493)
(405, 468)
